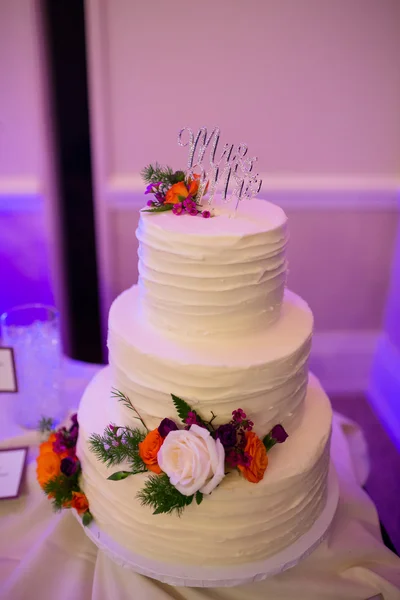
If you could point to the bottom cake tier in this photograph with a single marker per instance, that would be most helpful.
(240, 521)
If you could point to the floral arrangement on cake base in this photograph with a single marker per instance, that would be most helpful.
(185, 462)
(172, 190)
(58, 468)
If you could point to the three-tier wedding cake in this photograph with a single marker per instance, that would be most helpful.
(211, 335)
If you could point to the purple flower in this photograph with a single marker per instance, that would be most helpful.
(206, 214)
(153, 187)
(150, 203)
(193, 212)
(68, 466)
(238, 415)
(249, 425)
(74, 419)
(226, 434)
(166, 426)
(177, 208)
(73, 435)
(159, 197)
(278, 434)
(106, 447)
(115, 443)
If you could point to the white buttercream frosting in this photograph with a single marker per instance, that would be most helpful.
(213, 277)
(240, 521)
(264, 373)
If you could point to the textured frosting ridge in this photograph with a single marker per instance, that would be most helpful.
(265, 374)
(241, 521)
(216, 277)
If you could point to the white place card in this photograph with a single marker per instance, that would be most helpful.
(8, 375)
(12, 467)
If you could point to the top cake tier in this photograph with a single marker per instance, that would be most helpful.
(218, 277)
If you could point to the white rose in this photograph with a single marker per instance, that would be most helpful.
(193, 460)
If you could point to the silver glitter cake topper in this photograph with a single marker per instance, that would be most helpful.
(232, 167)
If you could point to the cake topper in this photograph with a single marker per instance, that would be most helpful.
(182, 192)
(233, 165)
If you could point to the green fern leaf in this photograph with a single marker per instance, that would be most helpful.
(182, 407)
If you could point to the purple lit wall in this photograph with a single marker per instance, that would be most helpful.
(24, 256)
(24, 231)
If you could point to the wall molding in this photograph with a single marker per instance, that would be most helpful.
(292, 192)
(384, 388)
(20, 194)
(342, 360)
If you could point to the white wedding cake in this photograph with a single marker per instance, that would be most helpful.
(210, 321)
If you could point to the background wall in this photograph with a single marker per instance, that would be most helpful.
(313, 87)
(24, 221)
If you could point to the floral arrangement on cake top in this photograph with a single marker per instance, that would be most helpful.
(172, 190)
(58, 468)
(186, 461)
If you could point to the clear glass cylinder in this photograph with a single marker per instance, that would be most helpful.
(33, 331)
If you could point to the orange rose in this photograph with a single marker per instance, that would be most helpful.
(48, 466)
(176, 192)
(148, 450)
(194, 185)
(79, 501)
(259, 459)
(47, 447)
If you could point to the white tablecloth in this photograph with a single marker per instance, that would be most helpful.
(46, 556)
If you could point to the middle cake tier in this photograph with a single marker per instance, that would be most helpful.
(264, 373)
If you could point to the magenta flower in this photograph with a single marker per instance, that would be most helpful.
(232, 458)
(206, 214)
(238, 415)
(193, 212)
(245, 459)
(191, 419)
(177, 208)
(60, 443)
(188, 203)
(150, 203)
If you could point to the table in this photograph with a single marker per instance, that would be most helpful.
(44, 556)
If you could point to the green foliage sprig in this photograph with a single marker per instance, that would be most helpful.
(183, 409)
(155, 173)
(158, 209)
(126, 402)
(45, 425)
(60, 489)
(119, 444)
(159, 493)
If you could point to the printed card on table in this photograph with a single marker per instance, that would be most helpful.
(12, 467)
(8, 375)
